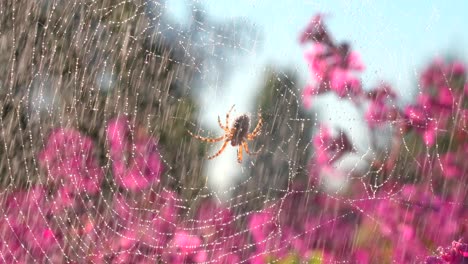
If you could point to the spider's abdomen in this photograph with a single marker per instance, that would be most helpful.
(240, 129)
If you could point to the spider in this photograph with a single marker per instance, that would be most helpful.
(238, 134)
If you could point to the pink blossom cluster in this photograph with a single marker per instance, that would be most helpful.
(440, 110)
(70, 163)
(398, 223)
(73, 217)
(136, 162)
(302, 227)
(26, 233)
(141, 221)
(440, 101)
(329, 147)
(405, 224)
(333, 67)
(37, 223)
(457, 253)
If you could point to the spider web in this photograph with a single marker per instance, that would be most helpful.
(96, 164)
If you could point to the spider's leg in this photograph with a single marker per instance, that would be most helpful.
(239, 154)
(227, 116)
(221, 124)
(256, 131)
(219, 151)
(206, 139)
(246, 146)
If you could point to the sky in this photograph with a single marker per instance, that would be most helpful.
(395, 39)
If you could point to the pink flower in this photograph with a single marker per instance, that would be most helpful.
(344, 83)
(307, 96)
(329, 148)
(25, 222)
(406, 231)
(458, 68)
(419, 118)
(449, 166)
(69, 160)
(382, 93)
(136, 163)
(117, 133)
(445, 97)
(225, 257)
(380, 108)
(434, 260)
(430, 135)
(264, 231)
(315, 31)
(64, 198)
(146, 229)
(433, 76)
(362, 256)
(164, 202)
(354, 62)
(456, 254)
(318, 60)
(213, 215)
(185, 248)
(379, 113)
(23, 200)
(332, 66)
(216, 225)
(261, 226)
(425, 101)
(310, 91)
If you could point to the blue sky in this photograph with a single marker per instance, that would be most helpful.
(395, 39)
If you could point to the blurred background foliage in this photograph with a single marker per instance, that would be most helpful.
(78, 64)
